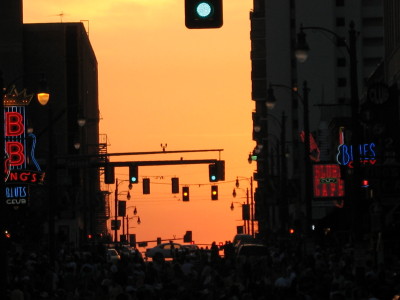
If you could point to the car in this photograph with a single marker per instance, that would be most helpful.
(163, 250)
(112, 255)
(242, 239)
(248, 250)
(190, 247)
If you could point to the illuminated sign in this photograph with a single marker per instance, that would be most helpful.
(327, 181)
(366, 152)
(17, 195)
(17, 173)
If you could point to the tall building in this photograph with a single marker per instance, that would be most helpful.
(281, 200)
(69, 206)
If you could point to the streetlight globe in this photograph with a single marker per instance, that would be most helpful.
(271, 100)
(301, 55)
(43, 98)
(128, 196)
(81, 122)
(232, 207)
(302, 48)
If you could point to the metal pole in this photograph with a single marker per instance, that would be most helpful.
(127, 227)
(283, 174)
(307, 161)
(52, 183)
(3, 240)
(116, 212)
(248, 205)
(252, 205)
(123, 228)
(355, 204)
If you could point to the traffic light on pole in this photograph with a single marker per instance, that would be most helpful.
(214, 192)
(133, 174)
(203, 14)
(185, 193)
(212, 173)
(146, 186)
(216, 171)
(109, 174)
(121, 208)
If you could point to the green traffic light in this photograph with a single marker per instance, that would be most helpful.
(204, 9)
(133, 179)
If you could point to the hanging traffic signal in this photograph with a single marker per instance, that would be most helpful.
(216, 171)
(185, 193)
(203, 14)
(214, 192)
(187, 238)
(121, 208)
(109, 174)
(245, 212)
(146, 186)
(212, 173)
(175, 185)
(133, 174)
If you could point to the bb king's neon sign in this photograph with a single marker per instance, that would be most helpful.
(17, 172)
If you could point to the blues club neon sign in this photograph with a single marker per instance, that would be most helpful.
(19, 149)
(345, 156)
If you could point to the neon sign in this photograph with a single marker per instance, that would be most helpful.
(366, 152)
(17, 175)
(327, 181)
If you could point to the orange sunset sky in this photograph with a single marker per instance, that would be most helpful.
(161, 83)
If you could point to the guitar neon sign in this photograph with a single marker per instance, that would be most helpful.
(367, 154)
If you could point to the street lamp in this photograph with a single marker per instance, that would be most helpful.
(243, 205)
(307, 162)
(249, 201)
(116, 207)
(301, 53)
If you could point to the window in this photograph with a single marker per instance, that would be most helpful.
(340, 22)
(341, 82)
(341, 62)
(339, 2)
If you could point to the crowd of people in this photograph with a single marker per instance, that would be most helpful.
(207, 274)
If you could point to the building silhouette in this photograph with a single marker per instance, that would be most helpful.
(62, 54)
(274, 34)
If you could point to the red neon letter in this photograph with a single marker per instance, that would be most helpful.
(15, 151)
(14, 124)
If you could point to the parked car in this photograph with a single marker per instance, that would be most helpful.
(243, 239)
(252, 250)
(190, 249)
(112, 255)
(164, 250)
